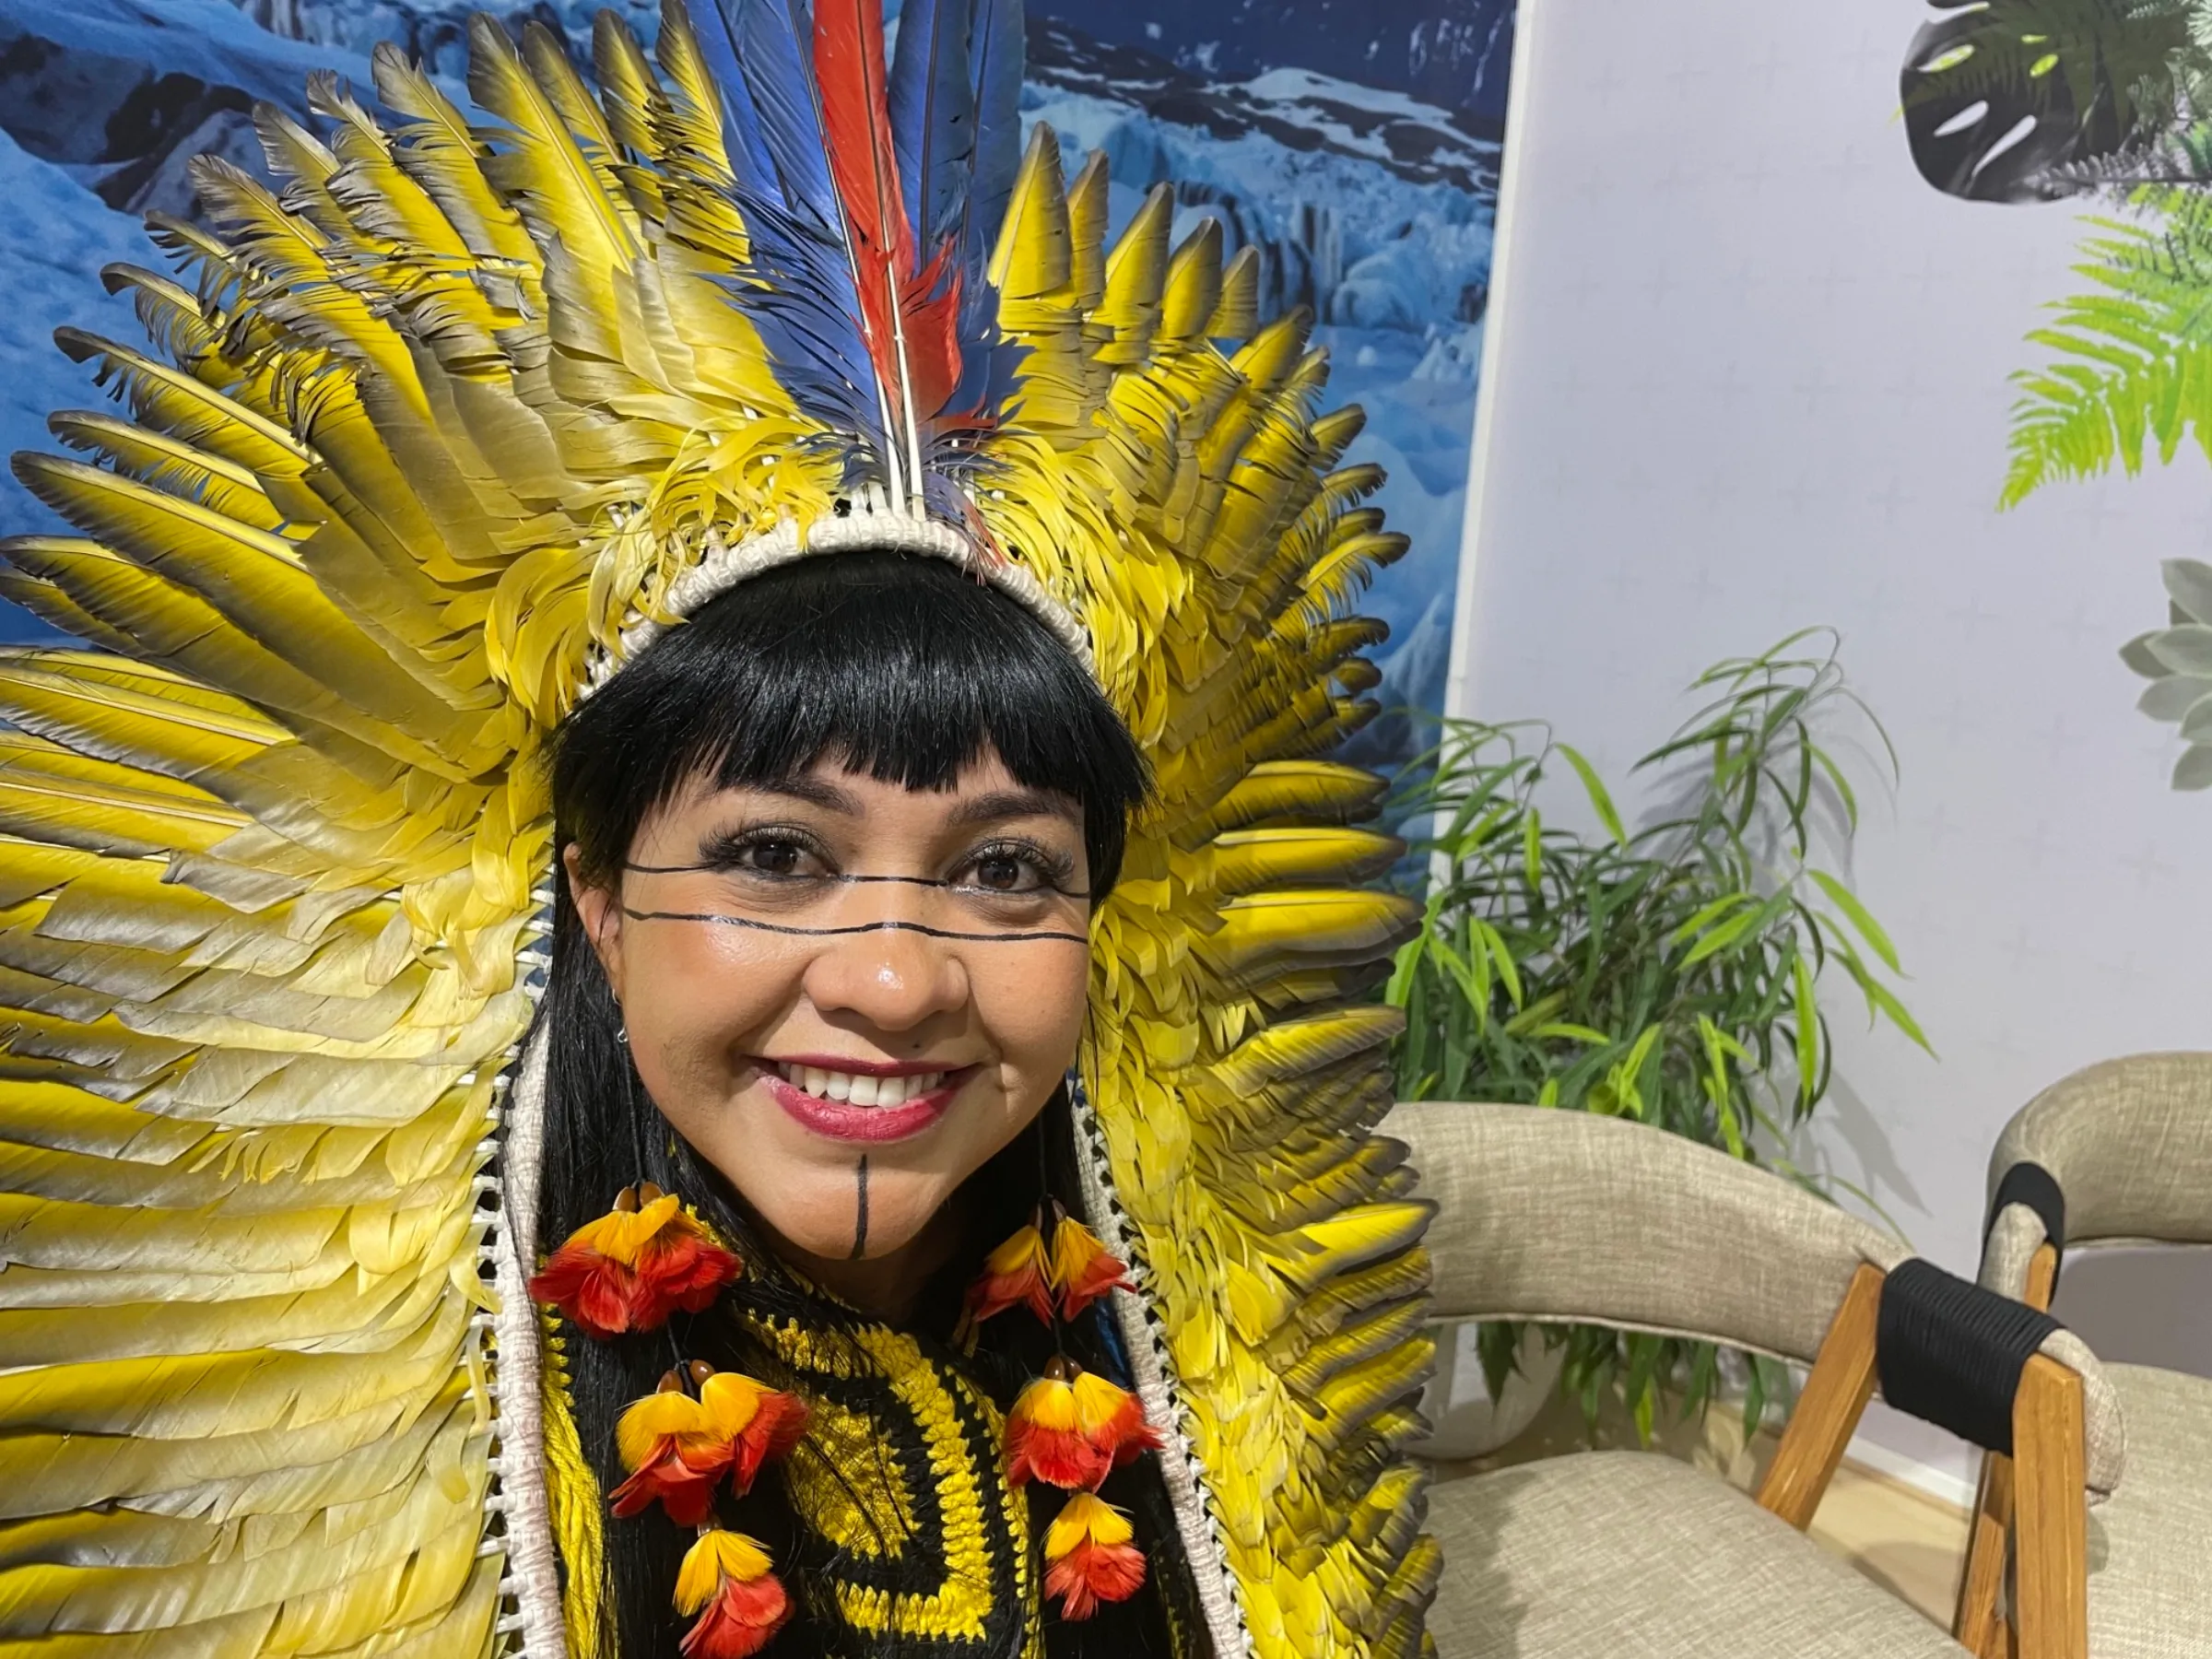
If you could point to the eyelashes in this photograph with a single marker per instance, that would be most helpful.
(1052, 869)
(732, 852)
(726, 850)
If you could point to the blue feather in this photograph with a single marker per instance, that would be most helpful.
(741, 135)
(800, 290)
(776, 61)
(933, 116)
(955, 96)
(995, 49)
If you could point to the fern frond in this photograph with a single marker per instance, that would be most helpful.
(2131, 359)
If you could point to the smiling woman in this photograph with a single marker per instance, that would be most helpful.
(832, 851)
(745, 507)
(839, 833)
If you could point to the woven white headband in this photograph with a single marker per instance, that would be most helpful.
(872, 525)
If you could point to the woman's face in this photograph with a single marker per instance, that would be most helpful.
(848, 996)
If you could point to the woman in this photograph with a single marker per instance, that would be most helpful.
(832, 850)
(747, 510)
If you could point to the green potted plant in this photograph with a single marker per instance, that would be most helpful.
(1671, 973)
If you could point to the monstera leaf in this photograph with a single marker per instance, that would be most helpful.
(2177, 660)
(2019, 101)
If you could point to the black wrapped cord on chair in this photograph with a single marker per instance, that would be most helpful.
(1951, 1353)
(2031, 1185)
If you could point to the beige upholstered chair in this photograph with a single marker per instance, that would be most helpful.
(2119, 1153)
(1554, 1215)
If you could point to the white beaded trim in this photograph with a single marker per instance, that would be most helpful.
(872, 525)
(533, 1575)
(1152, 1368)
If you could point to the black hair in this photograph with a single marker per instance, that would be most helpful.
(903, 668)
(907, 670)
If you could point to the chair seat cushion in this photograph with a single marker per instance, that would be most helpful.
(1629, 1555)
(2151, 1543)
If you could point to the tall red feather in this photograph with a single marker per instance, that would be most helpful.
(856, 130)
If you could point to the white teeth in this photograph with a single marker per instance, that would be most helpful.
(861, 1090)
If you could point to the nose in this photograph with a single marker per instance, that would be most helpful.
(894, 977)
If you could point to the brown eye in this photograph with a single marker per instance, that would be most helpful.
(774, 858)
(1001, 872)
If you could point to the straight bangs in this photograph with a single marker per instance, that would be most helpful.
(902, 668)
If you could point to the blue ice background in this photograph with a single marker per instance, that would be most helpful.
(1371, 199)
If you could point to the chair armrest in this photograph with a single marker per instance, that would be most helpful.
(1564, 1217)
(2128, 1142)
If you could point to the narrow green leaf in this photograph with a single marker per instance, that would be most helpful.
(1398, 993)
(1464, 976)
(1882, 998)
(1502, 957)
(1844, 900)
(1535, 1015)
(1641, 1051)
(1578, 1033)
(1720, 938)
(1601, 803)
(1808, 1028)
(1704, 916)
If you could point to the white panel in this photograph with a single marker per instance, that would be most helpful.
(1751, 374)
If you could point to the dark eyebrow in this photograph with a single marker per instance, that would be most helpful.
(814, 792)
(1012, 804)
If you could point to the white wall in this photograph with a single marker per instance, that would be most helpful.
(1749, 372)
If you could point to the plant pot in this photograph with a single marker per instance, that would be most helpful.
(1470, 1423)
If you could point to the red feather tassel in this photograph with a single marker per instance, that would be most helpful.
(901, 298)
(856, 128)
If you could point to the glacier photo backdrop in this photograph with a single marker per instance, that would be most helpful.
(1356, 147)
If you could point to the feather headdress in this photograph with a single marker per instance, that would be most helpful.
(450, 420)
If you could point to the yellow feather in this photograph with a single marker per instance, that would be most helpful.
(1136, 278)
(1087, 207)
(1238, 310)
(174, 403)
(1245, 861)
(254, 580)
(47, 793)
(440, 152)
(692, 119)
(634, 103)
(1193, 286)
(564, 90)
(169, 464)
(541, 170)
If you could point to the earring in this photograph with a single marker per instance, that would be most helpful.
(622, 1035)
(634, 1266)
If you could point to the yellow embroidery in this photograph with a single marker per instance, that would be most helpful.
(855, 1483)
(853, 1494)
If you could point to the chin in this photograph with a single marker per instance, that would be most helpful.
(826, 1226)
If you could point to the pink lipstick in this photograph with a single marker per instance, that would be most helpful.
(809, 1086)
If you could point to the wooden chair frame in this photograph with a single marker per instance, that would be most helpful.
(1978, 1625)
(2039, 1493)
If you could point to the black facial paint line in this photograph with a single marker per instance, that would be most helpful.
(860, 1209)
(858, 927)
(928, 881)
